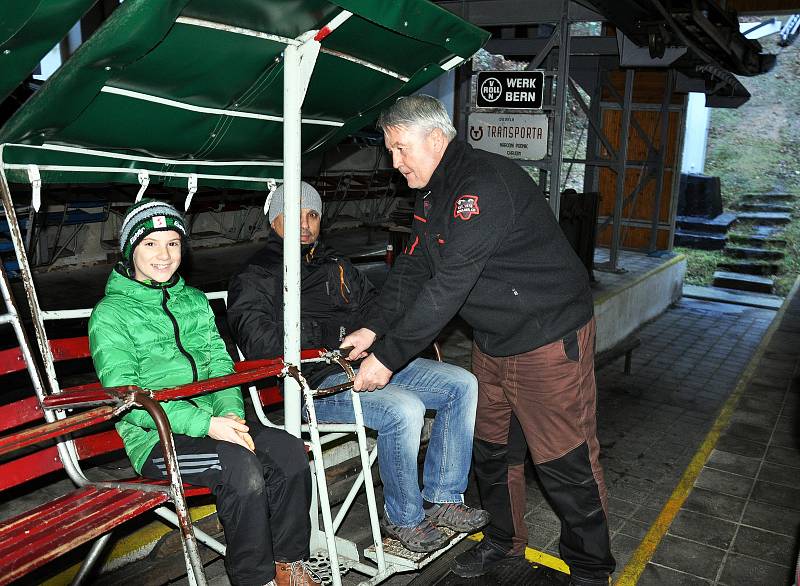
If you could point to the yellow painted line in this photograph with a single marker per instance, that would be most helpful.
(537, 557)
(660, 268)
(636, 565)
(137, 540)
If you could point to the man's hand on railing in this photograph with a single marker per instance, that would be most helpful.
(371, 375)
(360, 341)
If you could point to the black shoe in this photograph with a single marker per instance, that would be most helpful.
(480, 559)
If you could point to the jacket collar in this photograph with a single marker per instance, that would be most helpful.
(452, 156)
(272, 253)
(120, 283)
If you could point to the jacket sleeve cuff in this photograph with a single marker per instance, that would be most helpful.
(387, 358)
(376, 325)
(200, 424)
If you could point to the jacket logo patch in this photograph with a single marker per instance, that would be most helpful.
(466, 207)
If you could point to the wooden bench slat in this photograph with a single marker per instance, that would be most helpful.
(19, 413)
(112, 508)
(28, 467)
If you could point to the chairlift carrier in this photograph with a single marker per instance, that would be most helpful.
(188, 93)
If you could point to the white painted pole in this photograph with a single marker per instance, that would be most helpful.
(292, 101)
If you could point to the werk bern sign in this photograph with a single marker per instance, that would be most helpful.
(510, 89)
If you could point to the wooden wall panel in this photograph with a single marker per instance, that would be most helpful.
(648, 90)
(634, 238)
(648, 87)
(650, 122)
(644, 202)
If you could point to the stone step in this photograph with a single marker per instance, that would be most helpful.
(719, 224)
(754, 253)
(765, 207)
(743, 282)
(772, 218)
(700, 240)
(723, 295)
(777, 196)
(749, 267)
(755, 240)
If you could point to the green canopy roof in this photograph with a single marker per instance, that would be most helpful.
(28, 30)
(196, 86)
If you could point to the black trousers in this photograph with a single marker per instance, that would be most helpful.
(263, 499)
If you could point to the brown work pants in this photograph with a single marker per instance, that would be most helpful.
(544, 401)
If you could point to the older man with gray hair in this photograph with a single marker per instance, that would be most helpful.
(485, 245)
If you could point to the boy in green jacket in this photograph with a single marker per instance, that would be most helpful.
(153, 331)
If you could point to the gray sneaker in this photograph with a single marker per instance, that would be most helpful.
(423, 538)
(457, 516)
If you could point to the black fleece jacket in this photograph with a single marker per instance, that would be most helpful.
(485, 245)
(335, 300)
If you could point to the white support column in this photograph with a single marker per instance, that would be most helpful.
(292, 102)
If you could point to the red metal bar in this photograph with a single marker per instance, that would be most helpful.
(85, 397)
(248, 372)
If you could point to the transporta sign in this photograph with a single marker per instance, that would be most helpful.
(510, 89)
(516, 136)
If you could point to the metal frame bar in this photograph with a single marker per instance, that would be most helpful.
(140, 158)
(323, 32)
(622, 156)
(204, 110)
(676, 174)
(559, 111)
(592, 123)
(661, 159)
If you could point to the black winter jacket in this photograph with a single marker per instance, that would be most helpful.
(335, 300)
(486, 245)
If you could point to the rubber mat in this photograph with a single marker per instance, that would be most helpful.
(518, 572)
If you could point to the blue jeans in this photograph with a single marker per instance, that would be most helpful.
(397, 413)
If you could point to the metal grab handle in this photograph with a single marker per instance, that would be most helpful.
(338, 356)
(327, 392)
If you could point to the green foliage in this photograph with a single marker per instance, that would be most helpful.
(755, 149)
(700, 264)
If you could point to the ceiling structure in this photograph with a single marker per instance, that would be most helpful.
(197, 86)
(700, 39)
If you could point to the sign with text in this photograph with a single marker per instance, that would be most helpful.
(510, 89)
(516, 136)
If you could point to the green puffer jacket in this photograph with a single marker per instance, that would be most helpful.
(156, 336)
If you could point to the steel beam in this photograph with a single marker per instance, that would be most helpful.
(622, 156)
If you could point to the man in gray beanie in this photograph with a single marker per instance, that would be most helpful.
(310, 214)
(336, 299)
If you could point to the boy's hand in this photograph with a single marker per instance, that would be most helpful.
(231, 428)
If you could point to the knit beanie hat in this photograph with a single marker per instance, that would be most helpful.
(144, 218)
(309, 199)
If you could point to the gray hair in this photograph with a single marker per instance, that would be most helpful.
(419, 111)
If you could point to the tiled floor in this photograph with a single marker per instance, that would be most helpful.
(739, 523)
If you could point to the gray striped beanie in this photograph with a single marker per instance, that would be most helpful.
(144, 218)
(309, 199)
